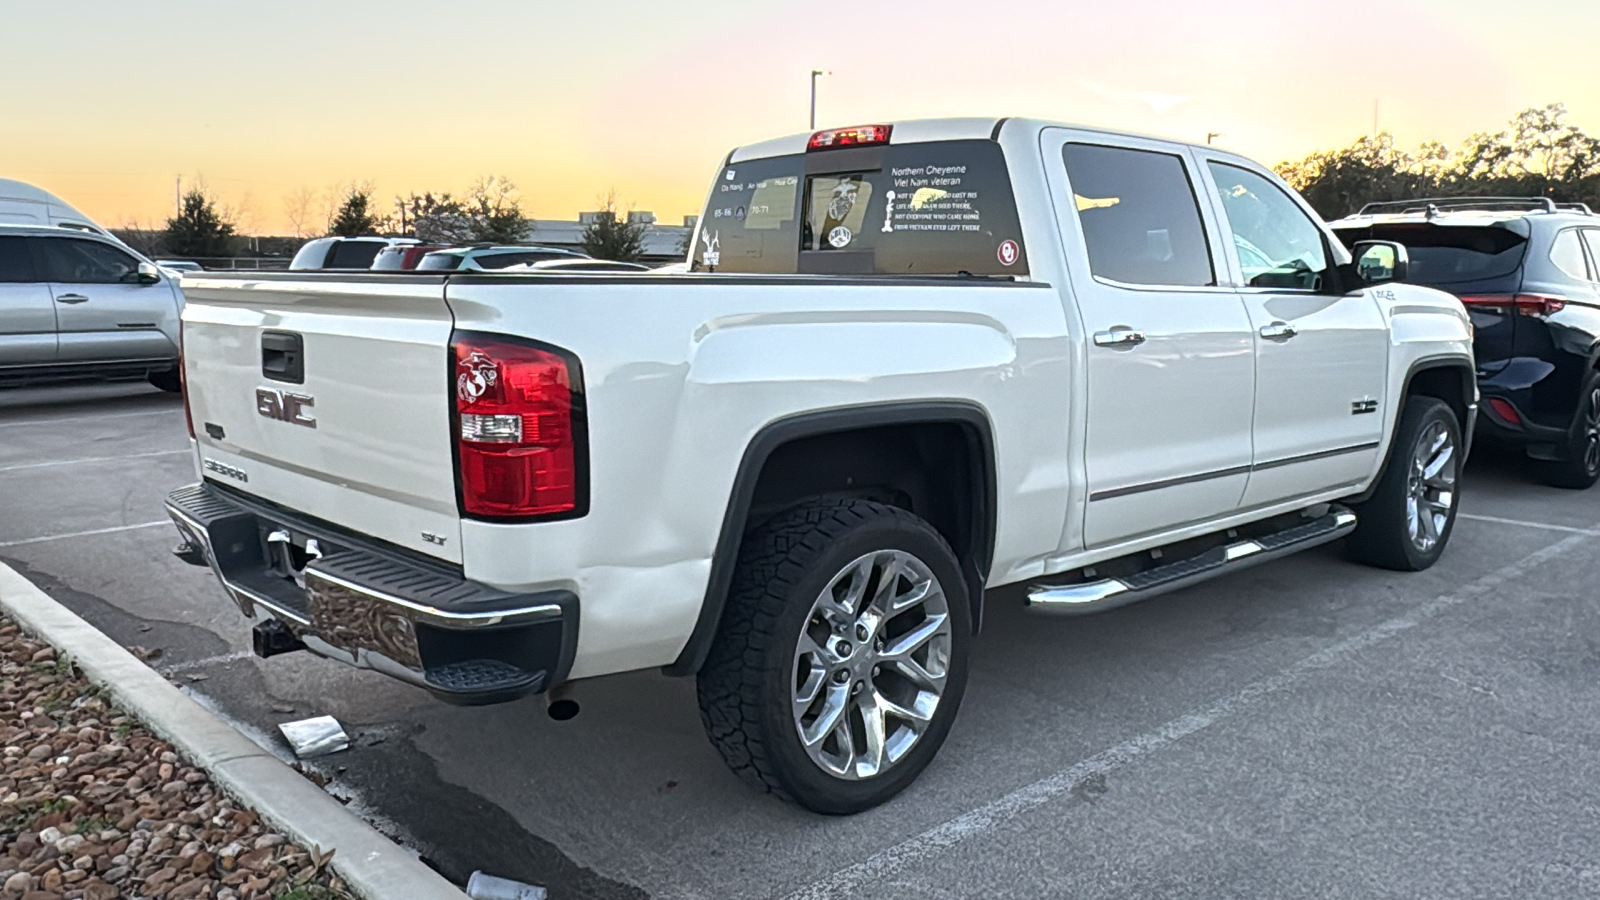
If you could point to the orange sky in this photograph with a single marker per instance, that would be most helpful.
(570, 100)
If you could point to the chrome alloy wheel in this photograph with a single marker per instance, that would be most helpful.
(1431, 486)
(871, 664)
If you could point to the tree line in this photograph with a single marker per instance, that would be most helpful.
(1538, 154)
(489, 211)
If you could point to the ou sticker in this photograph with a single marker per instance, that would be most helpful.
(1008, 253)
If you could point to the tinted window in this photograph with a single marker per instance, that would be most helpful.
(501, 260)
(1567, 254)
(15, 263)
(439, 262)
(1279, 246)
(1141, 221)
(935, 208)
(1443, 255)
(84, 262)
(354, 254)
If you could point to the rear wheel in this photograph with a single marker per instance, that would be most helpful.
(1407, 521)
(1580, 468)
(167, 381)
(842, 656)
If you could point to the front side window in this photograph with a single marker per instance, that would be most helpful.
(1567, 254)
(16, 265)
(1141, 221)
(71, 261)
(440, 262)
(1279, 246)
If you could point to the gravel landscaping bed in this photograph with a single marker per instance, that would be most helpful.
(93, 806)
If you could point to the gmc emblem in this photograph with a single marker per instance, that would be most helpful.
(286, 407)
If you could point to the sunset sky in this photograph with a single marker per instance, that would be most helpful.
(569, 100)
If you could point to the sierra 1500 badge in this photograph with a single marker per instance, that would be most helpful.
(477, 373)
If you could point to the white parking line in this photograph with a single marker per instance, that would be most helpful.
(91, 459)
(1525, 524)
(150, 412)
(79, 534)
(879, 867)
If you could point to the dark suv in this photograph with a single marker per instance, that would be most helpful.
(1528, 272)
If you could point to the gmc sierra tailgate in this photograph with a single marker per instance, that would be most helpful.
(329, 398)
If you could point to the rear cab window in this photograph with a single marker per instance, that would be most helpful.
(354, 254)
(925, 208)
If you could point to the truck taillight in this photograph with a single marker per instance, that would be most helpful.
(1526, 304)
(520, 429)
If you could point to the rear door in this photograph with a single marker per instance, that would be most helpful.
(27, 312)
(330, 398)
(1322, 357)
(1171, 373)
(103, 313)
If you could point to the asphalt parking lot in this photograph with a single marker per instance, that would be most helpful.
(1308, 728)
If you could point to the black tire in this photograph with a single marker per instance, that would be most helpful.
(167, 381)
(1383, 535)
(1580, 468)
(746, 688)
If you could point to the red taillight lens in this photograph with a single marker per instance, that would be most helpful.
(1524, 304)
(519, 428)
(854, 136)
(183, 382)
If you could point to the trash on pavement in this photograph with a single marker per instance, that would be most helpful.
(488, 887)
(317, 736)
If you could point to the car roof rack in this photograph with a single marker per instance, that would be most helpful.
(1436, 205)
(1576, 207)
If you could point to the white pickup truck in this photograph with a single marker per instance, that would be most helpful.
(911, 362)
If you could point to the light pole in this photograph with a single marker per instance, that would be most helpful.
(814, 74)
(1212, 135)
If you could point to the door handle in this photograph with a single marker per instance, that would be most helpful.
(1278, 331)
(1121, 337)
(72, 298)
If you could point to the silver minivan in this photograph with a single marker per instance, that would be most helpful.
(75, 305)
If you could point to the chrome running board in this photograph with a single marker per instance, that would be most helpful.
(1110, 593)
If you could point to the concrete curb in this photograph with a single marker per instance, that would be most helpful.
(372, 865)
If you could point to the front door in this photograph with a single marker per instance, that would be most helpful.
(102, 311)
(27, 314)
(1322, 357)
(1170, 367)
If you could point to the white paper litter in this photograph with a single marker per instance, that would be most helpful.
(316, 736)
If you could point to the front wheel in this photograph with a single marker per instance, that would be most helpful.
(842, 656)
(1407, 521)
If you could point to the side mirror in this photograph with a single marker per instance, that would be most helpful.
(1378, 262)
(148, 274)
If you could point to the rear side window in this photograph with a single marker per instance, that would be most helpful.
(932, 208)
(1591, 236)
(15, 263)
(71, 261)
(354, 254)
(1140, 217)
(1442, 255)
(1567, 254)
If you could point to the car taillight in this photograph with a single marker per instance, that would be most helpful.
(1505, 411)
(520, 429)
(1525, 304)
(854, 136)
(183, 383)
